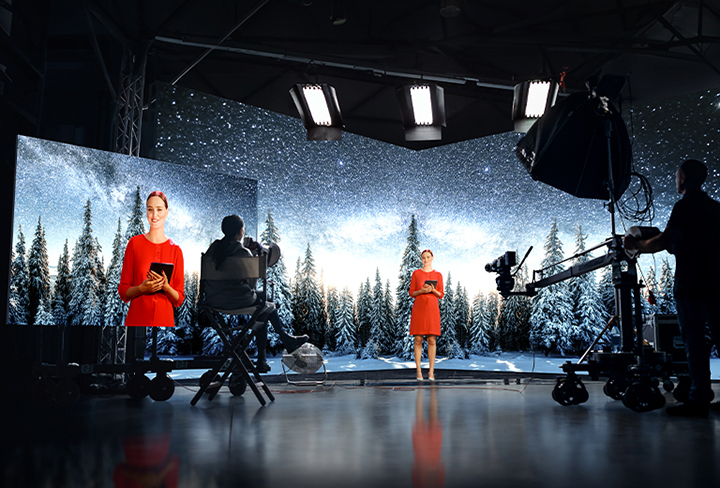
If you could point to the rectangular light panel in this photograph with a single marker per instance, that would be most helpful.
(315, 99)
(537, 99)
(422, 104)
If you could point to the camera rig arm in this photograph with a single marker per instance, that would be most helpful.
(614, 253)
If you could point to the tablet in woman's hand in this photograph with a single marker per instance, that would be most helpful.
(431, 282)
(160, 267)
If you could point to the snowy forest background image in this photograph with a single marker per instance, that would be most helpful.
(351, 218)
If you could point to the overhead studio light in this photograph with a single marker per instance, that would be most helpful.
(319, 110)
(532, 99)
(422, 107)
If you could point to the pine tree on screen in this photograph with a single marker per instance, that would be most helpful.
(19, 282)
(391, 336)
(333, 312)
(61, 290)
(462, 314)
(651, 286)
(507, 324)
(377, 316)
(136, 219)
(115, 308)
(346, 334)
(186, 321)
(447, 343)
(44, 314)
(589, 317)
(168, 340)
(403, 301)
(101, 278)
(313, 311)
(297, 302)
(39, 273)
(607, 291)
(363, 311)
(492, 311)
(666, 298)
(552, 314)
(524, 309)
(479, 340)
(212, 344)
(323, 322)
(83, 283)
(278, 283)
(12, 308)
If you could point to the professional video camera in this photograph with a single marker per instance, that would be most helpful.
(502, 266)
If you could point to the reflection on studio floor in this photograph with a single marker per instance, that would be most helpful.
(383, 433)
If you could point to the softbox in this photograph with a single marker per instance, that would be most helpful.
(568, 148)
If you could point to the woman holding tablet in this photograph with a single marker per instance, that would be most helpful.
(145, 282)
(426, 287)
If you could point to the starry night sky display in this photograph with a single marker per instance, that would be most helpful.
(351, 200)
(54, 181)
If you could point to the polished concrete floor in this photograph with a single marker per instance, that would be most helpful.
(387, 432)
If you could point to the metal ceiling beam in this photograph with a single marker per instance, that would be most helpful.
(457, 80)
(212, 48)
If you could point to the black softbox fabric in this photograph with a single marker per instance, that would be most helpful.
(567, 148)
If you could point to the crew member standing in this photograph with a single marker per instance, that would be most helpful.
(693, 234)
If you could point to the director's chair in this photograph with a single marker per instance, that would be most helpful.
(235, 339)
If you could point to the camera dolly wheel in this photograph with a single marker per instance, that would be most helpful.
(161, 388)
(42, 390)
(616, 386)
(570, 391)
(643, 396)
(237, 384)
(66, 392)
(138, 386)
(206, 380)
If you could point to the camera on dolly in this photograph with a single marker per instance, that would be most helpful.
(502, 266)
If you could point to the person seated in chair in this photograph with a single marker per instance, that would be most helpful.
(242, 294)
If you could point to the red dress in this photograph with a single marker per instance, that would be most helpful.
(425, 318)
(153, 309)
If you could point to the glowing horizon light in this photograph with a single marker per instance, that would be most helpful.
(537, 99)
(317, 104)
(422, 104)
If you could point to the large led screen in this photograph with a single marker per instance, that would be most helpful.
(63, 191)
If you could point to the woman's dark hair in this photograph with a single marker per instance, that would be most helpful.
(427, 250)
(231, 226)
(160, 195)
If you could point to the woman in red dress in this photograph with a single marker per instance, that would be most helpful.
(151, 295)
(426, 287)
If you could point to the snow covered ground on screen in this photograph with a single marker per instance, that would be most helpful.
(524, 362)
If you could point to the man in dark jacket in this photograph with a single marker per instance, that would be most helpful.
(241, 293)
(693, 234)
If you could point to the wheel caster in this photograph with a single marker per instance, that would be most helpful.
(162, 387)
(615, 387)
(570, 391)
(682, 390)
(237, 384)
(206, 379)
(138, 386)
(66, 392)
(643, 397)
(42, 390)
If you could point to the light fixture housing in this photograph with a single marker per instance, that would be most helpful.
(319, 110)
(422, 108)
(532, 99)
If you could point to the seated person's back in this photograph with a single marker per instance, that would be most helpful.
(229, 294)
